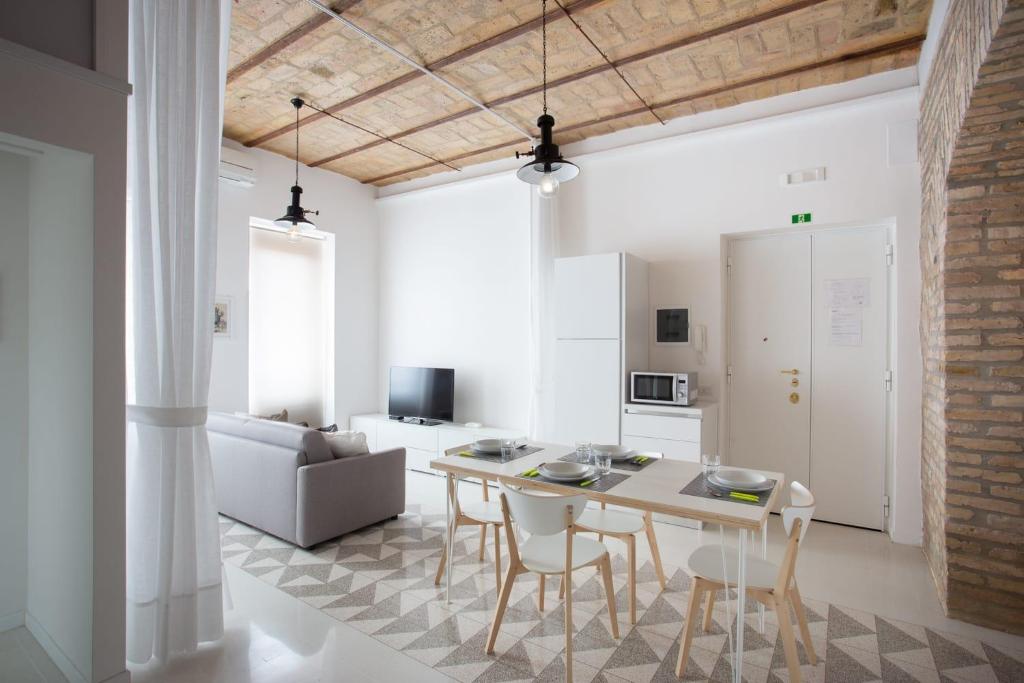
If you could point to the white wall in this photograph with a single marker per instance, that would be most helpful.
(13, 403)
(346, 209)
(60, 398)
(455, 292)
(48, 89)
(671, 201)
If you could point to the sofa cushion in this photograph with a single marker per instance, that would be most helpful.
(308, 441)
(345, 444)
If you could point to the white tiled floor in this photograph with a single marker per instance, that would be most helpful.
(271, 636)
(22, 660)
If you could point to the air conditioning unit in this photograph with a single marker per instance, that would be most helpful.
(234, 168)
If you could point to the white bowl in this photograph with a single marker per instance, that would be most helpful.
(569, 471)
(492, 446)
(616, 452)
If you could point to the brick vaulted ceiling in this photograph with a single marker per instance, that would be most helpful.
(680, 56)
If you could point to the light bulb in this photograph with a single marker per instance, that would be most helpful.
(293, 234)
(548, 186)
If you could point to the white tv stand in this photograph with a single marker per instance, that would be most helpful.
(422, 443)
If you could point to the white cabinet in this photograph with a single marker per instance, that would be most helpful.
(681, 433)
(587, 297)
(601, 328)
(368, 426)
(394, 434)
(422, 443)
(587, 400)
(677, 432)
(674, 450)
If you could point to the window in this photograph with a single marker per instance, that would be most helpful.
(291, 324)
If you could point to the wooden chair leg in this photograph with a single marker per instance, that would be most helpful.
(561, 588)
(788, 639)
(497, 555)
(692, 609)
(609, 590)
(568, 624)
(483, 541)
(652, 541)
(631, 579)
(444, 556)
(801, 618)
(540, 594)
(709, 605)
(499, 611)
(600, 537)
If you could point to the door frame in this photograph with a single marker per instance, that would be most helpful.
(891, 283)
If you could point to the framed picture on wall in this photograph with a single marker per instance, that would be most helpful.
(222, 322)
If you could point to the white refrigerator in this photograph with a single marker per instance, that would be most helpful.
(601, 334)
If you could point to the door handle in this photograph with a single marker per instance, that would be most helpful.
(794, 371)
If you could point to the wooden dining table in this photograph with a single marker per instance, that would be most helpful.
(655, 488)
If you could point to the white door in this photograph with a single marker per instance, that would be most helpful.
(850, 351)
(588, 295)
(770, 349)
(816, 303)
(587, 398)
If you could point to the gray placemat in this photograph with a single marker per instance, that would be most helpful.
(496, 457)
(702, 489)
(622, 465)
(606, 482)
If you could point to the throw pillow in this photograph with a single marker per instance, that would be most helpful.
(346, 444)
(329, 428)
(276, 417)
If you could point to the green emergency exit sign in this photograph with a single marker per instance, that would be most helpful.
(801, 218)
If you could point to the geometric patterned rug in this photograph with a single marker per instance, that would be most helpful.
(380, 580)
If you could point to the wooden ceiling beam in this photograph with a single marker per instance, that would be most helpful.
(453, 58)
(867, 53)
(592, 71)
(457, 157)
(288, 39)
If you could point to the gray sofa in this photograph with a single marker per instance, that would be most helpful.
(283, 479)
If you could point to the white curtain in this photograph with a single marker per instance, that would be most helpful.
(178, 56)
(543, 250)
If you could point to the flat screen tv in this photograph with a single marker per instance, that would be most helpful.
(425, 393)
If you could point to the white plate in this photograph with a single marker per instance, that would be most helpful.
(617, 453)
(740, 480)
(491, 446)
(566, 471)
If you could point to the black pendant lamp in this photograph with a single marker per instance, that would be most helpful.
(548, 169)
(294, 219)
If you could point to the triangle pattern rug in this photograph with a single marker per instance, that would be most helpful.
(380, 580)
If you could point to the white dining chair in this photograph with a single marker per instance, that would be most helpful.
(486, 514)
(552, 548)
(624, 527)
(771, 584)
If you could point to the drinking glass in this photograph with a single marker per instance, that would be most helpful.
(583, 452)
(507, 446)
(604, 462)
(711, 461)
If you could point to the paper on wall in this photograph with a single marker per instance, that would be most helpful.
(846, 326)
(848, 292)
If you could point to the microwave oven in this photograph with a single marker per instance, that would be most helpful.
(663, 388)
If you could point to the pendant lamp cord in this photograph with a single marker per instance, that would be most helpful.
(544, 49)
(297, 145)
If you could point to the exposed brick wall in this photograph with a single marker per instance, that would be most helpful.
(972, 165)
